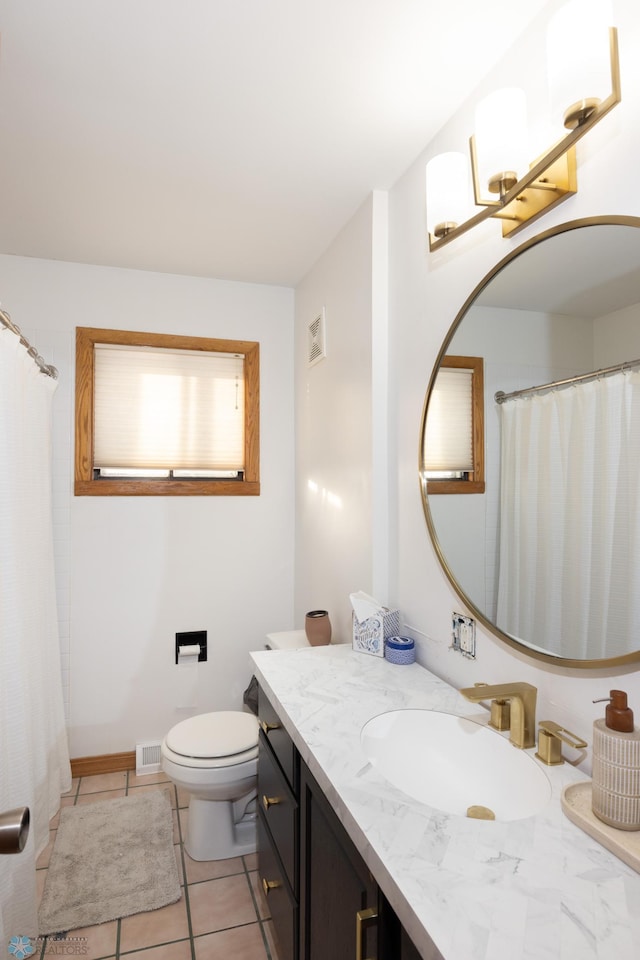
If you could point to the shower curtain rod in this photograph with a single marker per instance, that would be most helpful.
(502, 397)
(46, 368)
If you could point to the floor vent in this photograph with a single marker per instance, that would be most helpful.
(148, 757)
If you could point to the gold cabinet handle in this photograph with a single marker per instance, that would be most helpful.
(269, 885)
(364, 920)
(270, 801)
(266, 727)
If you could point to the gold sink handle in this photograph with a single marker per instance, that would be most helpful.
(500, 715)
(551, 736)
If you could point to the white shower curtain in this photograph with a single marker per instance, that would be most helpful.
(34, 758)
(569, 577)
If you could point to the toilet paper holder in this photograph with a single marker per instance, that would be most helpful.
(192, 638)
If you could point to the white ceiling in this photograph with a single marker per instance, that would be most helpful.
(222, 138)
(588, 272)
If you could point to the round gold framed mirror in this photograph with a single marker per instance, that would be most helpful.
(537, 522)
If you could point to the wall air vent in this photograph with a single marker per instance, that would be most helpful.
(148, 757)
(316, 342)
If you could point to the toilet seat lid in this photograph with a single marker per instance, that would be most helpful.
(220, 734)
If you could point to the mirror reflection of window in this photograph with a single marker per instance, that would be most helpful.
(453, 442)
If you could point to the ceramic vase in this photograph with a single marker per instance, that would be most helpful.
(317, 627)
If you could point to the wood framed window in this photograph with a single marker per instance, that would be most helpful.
(164, 415)
(453, 442)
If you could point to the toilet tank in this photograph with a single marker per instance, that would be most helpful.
(286, 640)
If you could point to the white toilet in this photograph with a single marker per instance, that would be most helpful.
(214, 757)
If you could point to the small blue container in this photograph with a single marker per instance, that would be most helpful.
(399, 650)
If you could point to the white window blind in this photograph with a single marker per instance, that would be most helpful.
(157, 408)
(448, 445)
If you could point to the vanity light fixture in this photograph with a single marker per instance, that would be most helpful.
(448, 192)
(522, 196)
(500, 150)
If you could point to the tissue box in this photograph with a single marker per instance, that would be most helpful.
(369, 635)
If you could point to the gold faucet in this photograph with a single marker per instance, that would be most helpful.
(522, 697)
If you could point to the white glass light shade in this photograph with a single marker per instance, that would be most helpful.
(501, 135)
(447, 190)
(578, 55)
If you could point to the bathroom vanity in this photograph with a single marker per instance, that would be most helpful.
(323, 899)
(336, 840)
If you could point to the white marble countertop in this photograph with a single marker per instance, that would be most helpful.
(538, 888)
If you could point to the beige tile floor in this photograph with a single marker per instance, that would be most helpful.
(222, 914)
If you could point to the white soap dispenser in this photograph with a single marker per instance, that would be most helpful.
(616, 765)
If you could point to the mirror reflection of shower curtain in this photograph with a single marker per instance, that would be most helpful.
(569, 577)
(34, 757)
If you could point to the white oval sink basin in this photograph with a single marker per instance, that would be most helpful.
(454, 764)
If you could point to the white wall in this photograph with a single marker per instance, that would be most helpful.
(335, 482)
(618, 334)
(133, 571)
(427, 290)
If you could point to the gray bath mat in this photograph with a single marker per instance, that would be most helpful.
(110, 859)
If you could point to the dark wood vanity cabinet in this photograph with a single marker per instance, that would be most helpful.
(343, 913)
(324, 902)
(281, 900)
(407, 949)
(278, 827)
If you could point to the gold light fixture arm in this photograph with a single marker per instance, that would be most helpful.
(478, 199)
(550, 179)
